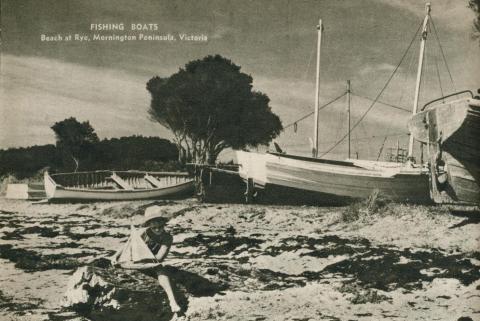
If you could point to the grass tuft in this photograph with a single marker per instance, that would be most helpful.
(375, 204)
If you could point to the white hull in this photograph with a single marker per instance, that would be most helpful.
(335, 178)
(58, 192)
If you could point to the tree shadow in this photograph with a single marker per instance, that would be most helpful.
(471, 217)
(194, 284)
(186, 284)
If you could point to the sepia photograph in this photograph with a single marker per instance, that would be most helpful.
(258, 160)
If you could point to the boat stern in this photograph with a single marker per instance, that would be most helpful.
(50, 185)
(252, 165)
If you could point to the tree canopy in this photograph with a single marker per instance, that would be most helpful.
(475, 6)
(75, 140)
(77, 143)
(210, 105)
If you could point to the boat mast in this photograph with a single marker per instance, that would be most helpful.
(317, 91)
(419, 74)
(348, 113)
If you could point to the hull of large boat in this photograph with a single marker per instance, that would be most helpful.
(451, 132)
(335, 179)
(93, 189)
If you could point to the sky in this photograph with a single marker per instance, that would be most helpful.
(42, 82)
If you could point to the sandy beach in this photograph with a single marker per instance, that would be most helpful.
(268, 262)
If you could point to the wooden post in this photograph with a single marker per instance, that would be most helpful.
(398, 151)
(419, 76)
(317, 90)
(250, 191)
(348, 113)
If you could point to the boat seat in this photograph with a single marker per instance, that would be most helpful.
(152, 180)
(121, 182)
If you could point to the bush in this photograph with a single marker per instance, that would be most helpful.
(125, 153)
(362, 296)
(374, 204)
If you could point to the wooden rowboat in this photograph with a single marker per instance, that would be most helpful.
(116, 185)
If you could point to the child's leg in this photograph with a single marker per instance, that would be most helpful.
(164, 282)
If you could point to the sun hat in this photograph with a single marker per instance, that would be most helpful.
(155, 212)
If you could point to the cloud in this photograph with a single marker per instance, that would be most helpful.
(37, 92)
(382, 67)
(452, 12)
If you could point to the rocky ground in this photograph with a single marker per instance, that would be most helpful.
(258, 262)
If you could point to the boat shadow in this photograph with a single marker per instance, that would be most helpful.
(471, 217)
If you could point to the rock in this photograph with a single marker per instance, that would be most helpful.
(100, 293)
(116, 294)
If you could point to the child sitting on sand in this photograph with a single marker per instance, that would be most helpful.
(159, 242)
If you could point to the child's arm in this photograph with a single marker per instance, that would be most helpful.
(162, 253)
(164, 248)
(114, 258)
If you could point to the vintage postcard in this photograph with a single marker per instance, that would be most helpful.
(239, 160)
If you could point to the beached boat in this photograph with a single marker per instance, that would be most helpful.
(335, 181)
(339, 181)
(116, 185)
(451, 131)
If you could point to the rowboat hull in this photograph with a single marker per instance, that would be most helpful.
(334, 179)
(180, 185)
(451, 132)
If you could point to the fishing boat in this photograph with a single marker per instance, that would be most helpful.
(339, 181)
(451, 131)
(116, 185)
(334, 181)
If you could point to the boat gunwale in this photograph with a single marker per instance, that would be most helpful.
(120, 172)
(317, 160)
(424, 108)
(121, 191)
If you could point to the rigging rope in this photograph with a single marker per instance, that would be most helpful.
(443, 54)
(309, 62)
(425, 72)
(384, 103)
(311, 113)
(355, 139)
(406, 74)
(378, 96)
(381, 148)
(439, 79)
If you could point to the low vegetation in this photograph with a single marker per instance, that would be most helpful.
(79, 149)
(375, 204)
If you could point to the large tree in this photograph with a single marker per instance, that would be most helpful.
(475, 6)
(75, 140)
(210, 105)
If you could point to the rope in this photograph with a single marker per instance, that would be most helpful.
(378, 96)
(439, 79)
(384, 103)
(355, 139)
(311, 113)
(406, 74)
(425, 72)
(309, 62)
(443, 54)
(381, 148)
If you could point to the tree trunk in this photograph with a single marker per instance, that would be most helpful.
(77, 163)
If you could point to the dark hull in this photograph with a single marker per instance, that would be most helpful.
(452, 135)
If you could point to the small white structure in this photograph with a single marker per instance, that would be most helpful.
(17, 191)
(25, 191)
